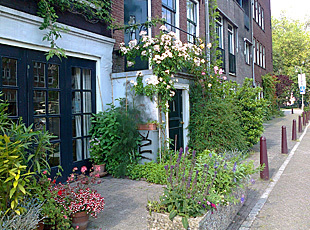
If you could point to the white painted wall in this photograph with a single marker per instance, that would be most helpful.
(22, 30)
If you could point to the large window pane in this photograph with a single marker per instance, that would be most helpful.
(38, 74)
(54, 157)
(39, 97)
(54, 126)
(53, 102)
(77, 126)
(39, 123)
(76, 78)
(86, 79)
(53, 76)
(77, 150)
(9, 71)
(76, 102)
(87, 102)
(86, 123)
(86, 148)
(10, 96)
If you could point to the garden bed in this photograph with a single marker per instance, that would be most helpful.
(218, 219)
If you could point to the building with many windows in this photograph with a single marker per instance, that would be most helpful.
(57, 95)
(187, 19)
(262, 39)
(234, 31)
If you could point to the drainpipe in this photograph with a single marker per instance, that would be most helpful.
(251, 20)
(207, 22)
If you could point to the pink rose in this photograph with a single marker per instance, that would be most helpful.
(220, 71)
(44, 172)
(216, 69)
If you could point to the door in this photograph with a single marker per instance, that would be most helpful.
(176, 120)
(55, 95)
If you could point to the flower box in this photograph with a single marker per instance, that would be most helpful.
(219, 219)
(149, 126)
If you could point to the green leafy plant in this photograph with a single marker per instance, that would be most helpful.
(117, 139)
(215, 124)
(152, 172)
(252, 110)
(23, 152)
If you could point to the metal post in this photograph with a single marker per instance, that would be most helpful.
(292, 110)
(264, 159)
(303, 119)
(284, 141)
(302, 102)
(299, 124)
(294, 134)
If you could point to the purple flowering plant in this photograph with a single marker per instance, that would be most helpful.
(183, 195)
(232, 173)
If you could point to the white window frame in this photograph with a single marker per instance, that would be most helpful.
(247, 48)
(263, 20)
(220, 36)
(257, 53)
(261, 55)
(256, 11)
(254, 51)
(264, 57)
(231, 46)
(196, 20)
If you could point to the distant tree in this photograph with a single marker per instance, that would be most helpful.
(283, 89)
(291, 51)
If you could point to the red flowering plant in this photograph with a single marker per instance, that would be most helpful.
(78, 194)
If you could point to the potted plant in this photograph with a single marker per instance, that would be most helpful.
(78, 198)
(97, 157)
(150, 125)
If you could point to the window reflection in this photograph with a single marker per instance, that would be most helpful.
(9, 72)
(38, 74)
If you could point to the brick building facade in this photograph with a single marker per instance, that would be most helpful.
(262, 38)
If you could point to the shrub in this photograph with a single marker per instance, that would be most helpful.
(117, 139)
(215, 124)
(152, 172)
(252, 110)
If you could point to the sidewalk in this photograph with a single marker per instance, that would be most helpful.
(275, 160)
(126, 199)
(288, 205)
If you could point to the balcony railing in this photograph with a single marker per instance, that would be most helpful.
(232, 63)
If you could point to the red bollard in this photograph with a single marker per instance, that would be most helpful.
(303, 119)
(299, 124)
(284, 141)
(264, 159)
(294, 134)
(292, 110)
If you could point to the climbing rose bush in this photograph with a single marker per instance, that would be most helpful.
(167, 56)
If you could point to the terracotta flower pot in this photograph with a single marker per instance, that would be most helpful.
(80, 219)
(150, 126)
(99, 170)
